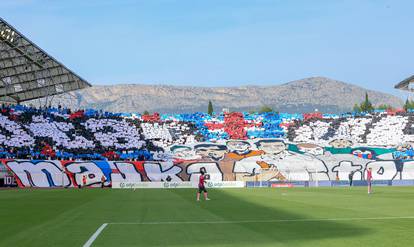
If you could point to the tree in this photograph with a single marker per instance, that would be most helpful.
(210, 108)
(409, 105)
(356, 108)
(384, 107)
(251, 111)
(366, 106)
(265, 108)
(145, 113)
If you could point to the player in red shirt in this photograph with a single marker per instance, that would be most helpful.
(369, 180)
(201, 186)
(103, 181)
(84, 180)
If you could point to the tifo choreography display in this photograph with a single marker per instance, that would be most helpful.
(57, 147)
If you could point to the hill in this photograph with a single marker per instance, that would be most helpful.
(304, 95)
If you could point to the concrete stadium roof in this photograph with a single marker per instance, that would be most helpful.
(27, 72)
(405, 84)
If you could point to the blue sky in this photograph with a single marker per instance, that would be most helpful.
(223, 43)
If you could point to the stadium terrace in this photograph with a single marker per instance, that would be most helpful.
(58, 133)
(174, 147)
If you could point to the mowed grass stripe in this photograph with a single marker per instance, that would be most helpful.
(260, 221)
(69, 217)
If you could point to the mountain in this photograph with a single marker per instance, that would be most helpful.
(304, 95)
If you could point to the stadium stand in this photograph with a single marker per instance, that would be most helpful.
(56, 146)
(27, 132)
(378, 129)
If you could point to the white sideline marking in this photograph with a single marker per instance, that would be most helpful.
(258, 221)
(100, 229)
(95, 235)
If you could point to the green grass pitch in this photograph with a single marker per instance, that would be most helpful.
(234, 217)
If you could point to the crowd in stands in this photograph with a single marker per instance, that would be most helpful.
(378, 130)
(59, 133)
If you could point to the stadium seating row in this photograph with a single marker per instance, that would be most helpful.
(58, 133)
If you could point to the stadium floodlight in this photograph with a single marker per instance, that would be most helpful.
(7, 35)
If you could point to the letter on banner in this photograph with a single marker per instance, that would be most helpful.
(162, 171)
(212, 169)
(345, 167)
(91, 170)
(39, 174)
(408, 170)
(127, 173)
(381, 170)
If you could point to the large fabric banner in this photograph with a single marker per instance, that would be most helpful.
(233, 160)
(272, 160)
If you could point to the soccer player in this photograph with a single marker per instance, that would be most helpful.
(84, 181)
(351, 178)
(369, 180)
(201, 186)
(103, 181)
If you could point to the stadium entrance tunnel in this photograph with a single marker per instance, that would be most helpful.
(234, 217)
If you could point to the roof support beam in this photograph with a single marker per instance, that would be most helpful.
(23, 64)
